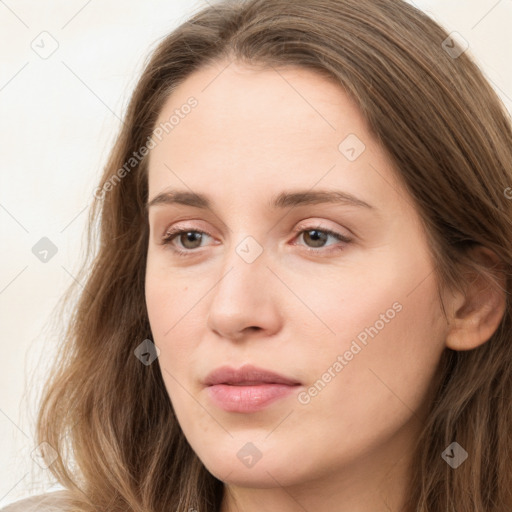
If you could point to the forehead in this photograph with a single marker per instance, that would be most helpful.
(301, 102)
(265, 129)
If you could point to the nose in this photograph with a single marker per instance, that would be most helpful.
(245, 299)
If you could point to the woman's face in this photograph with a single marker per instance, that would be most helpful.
(282, 158)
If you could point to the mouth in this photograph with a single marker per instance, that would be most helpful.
(247, 389)
(247, 375)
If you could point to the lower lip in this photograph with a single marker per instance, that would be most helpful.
(247, 398)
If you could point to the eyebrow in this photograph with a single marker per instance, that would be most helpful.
(280, 201)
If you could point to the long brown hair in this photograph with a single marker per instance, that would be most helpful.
(109, 417)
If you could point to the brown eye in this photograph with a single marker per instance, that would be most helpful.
(316, 237)
(189, 239)
(192, 237)
(315, 240)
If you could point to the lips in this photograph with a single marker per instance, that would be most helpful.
(247, 389)
(247, 375)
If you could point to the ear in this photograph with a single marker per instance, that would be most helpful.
(476, 315)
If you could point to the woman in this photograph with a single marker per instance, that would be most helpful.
(301, 296)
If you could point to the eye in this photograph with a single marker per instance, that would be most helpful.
(186, 236)
(317, 236)
(190, 239)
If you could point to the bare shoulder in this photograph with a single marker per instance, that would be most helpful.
(57, 501)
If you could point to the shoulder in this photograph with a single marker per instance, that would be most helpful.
(57, 501)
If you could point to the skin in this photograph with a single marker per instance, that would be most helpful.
(254, 134)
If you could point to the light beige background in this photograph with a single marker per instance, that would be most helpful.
(58, 117)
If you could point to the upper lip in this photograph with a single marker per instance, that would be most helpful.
(248, 375)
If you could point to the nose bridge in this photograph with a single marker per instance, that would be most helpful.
(241, 297)
(243, 272)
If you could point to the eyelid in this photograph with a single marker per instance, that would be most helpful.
(303, 225)
(319, 225)
(182, 225)
(173, 232)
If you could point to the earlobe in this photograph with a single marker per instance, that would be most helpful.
(476, 315)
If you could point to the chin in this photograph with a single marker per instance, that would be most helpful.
(234, 465)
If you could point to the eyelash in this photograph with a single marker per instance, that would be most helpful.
(171, 234)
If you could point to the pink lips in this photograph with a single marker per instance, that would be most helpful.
(247, 389)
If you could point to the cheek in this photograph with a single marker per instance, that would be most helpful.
(389, 359)
(176, 315)
(166, 295)
(159, 304)
(384, 340)
(167, 314)
(167, 318)
(384, 381)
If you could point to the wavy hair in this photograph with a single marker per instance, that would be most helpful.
(110, 418)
